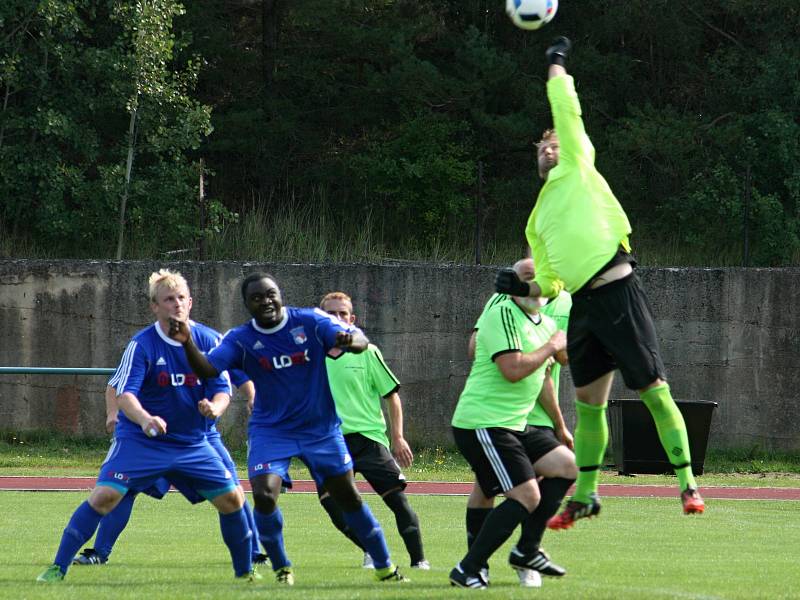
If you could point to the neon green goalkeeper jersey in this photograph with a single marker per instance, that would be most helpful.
(358, 382)
(489, 399)
(558, 310)
(577, 224)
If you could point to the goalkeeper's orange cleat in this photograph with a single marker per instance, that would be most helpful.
(692, 502)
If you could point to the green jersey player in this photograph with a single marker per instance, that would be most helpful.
(359, 383)
(514, 346)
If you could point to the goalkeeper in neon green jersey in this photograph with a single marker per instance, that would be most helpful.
(578, 234)
(358, 384)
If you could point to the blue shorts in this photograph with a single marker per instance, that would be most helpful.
(160, 488)
(133, 464)
(325, 456)
(215, 439)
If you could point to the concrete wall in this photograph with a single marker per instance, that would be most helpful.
(728, 335)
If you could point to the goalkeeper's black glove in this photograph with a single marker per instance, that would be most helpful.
(558, 51)
(507, 282)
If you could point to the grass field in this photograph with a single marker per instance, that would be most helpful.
(638, 548)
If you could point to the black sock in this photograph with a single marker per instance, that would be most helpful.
(552, 491)
(337, 518)
(407, 524)
(497, 528)
(475, 519)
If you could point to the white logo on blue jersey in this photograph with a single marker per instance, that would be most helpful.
(258, 345)
(161, 361)
(298, 335)
(284, 361)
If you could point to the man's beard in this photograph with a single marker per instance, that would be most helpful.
(530, 305)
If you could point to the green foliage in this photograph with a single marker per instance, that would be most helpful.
(421, 175)
(71, 72)
(387, 108)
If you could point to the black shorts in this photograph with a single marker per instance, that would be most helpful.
(374, 461)
(539, 440)
(612, 327)
(499, 457)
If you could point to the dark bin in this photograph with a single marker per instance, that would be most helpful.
(635, 442)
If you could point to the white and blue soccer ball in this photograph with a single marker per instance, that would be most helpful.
(531, 14)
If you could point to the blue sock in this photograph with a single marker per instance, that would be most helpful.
(112, 525)
(236, 534)
(370, 534)
(251, 524)
(270, 531)
(78, 531)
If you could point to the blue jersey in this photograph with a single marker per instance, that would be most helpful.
(155, 370)
(287, 366)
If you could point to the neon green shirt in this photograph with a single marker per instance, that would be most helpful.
(358, 382)
(489, 399)
(558, 310)
(577, 224)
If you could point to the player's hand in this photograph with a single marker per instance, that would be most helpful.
(344, 339)
(402, 452)
(558, 51)
(179, 331)
(111, 423)
(559, 343)
(154, 426)
(565, 437)
(562, 358)
(208, 409)
(507, 282)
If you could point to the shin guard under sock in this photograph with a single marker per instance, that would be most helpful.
(671, 431)
(591, 439)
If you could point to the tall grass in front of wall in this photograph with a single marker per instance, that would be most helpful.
(314, 232)
(288, 229)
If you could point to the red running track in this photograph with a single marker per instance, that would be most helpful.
(53, 484)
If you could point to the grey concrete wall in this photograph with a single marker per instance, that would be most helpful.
(728, 335)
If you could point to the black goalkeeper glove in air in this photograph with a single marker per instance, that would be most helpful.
(507, 282)
(558, 51)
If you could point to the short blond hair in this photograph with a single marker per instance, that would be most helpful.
(164, 278)
(547, 134)
(336, 296)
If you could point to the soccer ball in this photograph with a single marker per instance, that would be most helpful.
(531, 14)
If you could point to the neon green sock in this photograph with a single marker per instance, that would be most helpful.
(591, 439)
(671, 431)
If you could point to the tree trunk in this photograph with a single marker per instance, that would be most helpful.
(128, 169)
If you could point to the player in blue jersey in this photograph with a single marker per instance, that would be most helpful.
(161, 432)
(113, 524)
(282, 350)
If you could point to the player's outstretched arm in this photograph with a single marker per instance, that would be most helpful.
(151, 425)
(355, 342)
(180, 331)
(400, 448)
(556, 56)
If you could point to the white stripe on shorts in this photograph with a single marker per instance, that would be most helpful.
(494, 459)
(112, 451)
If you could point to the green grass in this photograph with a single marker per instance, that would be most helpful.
(638, 548)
